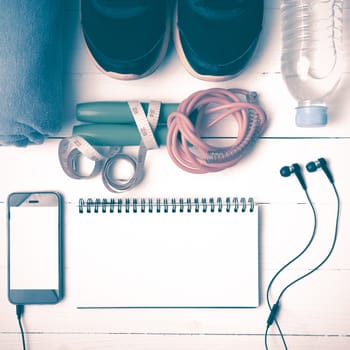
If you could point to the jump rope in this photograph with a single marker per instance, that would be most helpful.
(119, 124)
(184, 143)
(275, 308)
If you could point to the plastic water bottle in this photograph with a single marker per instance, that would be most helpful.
(312, 55)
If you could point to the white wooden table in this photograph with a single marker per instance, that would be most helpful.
(315, 313)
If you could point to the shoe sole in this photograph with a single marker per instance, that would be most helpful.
(121, 76)
(186, 63)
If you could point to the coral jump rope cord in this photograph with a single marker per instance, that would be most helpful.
(184, 143)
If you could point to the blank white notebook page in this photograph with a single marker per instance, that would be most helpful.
(166, 259)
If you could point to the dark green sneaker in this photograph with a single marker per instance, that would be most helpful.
(215, 39)
(126, 38)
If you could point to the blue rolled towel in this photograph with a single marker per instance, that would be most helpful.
(31, 70)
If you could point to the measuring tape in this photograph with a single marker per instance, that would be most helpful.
(106, 159)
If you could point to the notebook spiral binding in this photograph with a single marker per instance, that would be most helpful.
(166, 205)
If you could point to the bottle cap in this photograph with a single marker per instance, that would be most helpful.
(311, 116)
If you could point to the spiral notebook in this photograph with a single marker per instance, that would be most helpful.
(167, 253)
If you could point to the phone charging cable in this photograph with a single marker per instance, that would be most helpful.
(19, 314)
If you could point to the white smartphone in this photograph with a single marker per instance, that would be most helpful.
(35, 247)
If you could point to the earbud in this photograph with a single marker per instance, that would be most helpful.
(320, 163)
(294, 168)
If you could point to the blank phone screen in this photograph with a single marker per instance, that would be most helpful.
(34, 248)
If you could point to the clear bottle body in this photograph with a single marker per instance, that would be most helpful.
(312, 54)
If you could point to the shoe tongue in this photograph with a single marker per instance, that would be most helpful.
(120, 8)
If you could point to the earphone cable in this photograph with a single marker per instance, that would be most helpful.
(274, 318)
(329, 252)
(297, 256)
(280, 332)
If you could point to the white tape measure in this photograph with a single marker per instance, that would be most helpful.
(107, 158)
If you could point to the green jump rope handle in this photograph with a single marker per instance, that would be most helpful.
(116, 134)
(116, 112)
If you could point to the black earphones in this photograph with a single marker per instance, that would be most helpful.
(285, 172)
(320, 163)
(294, 168)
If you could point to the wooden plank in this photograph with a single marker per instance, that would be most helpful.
(257, 175)
(171, 342)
